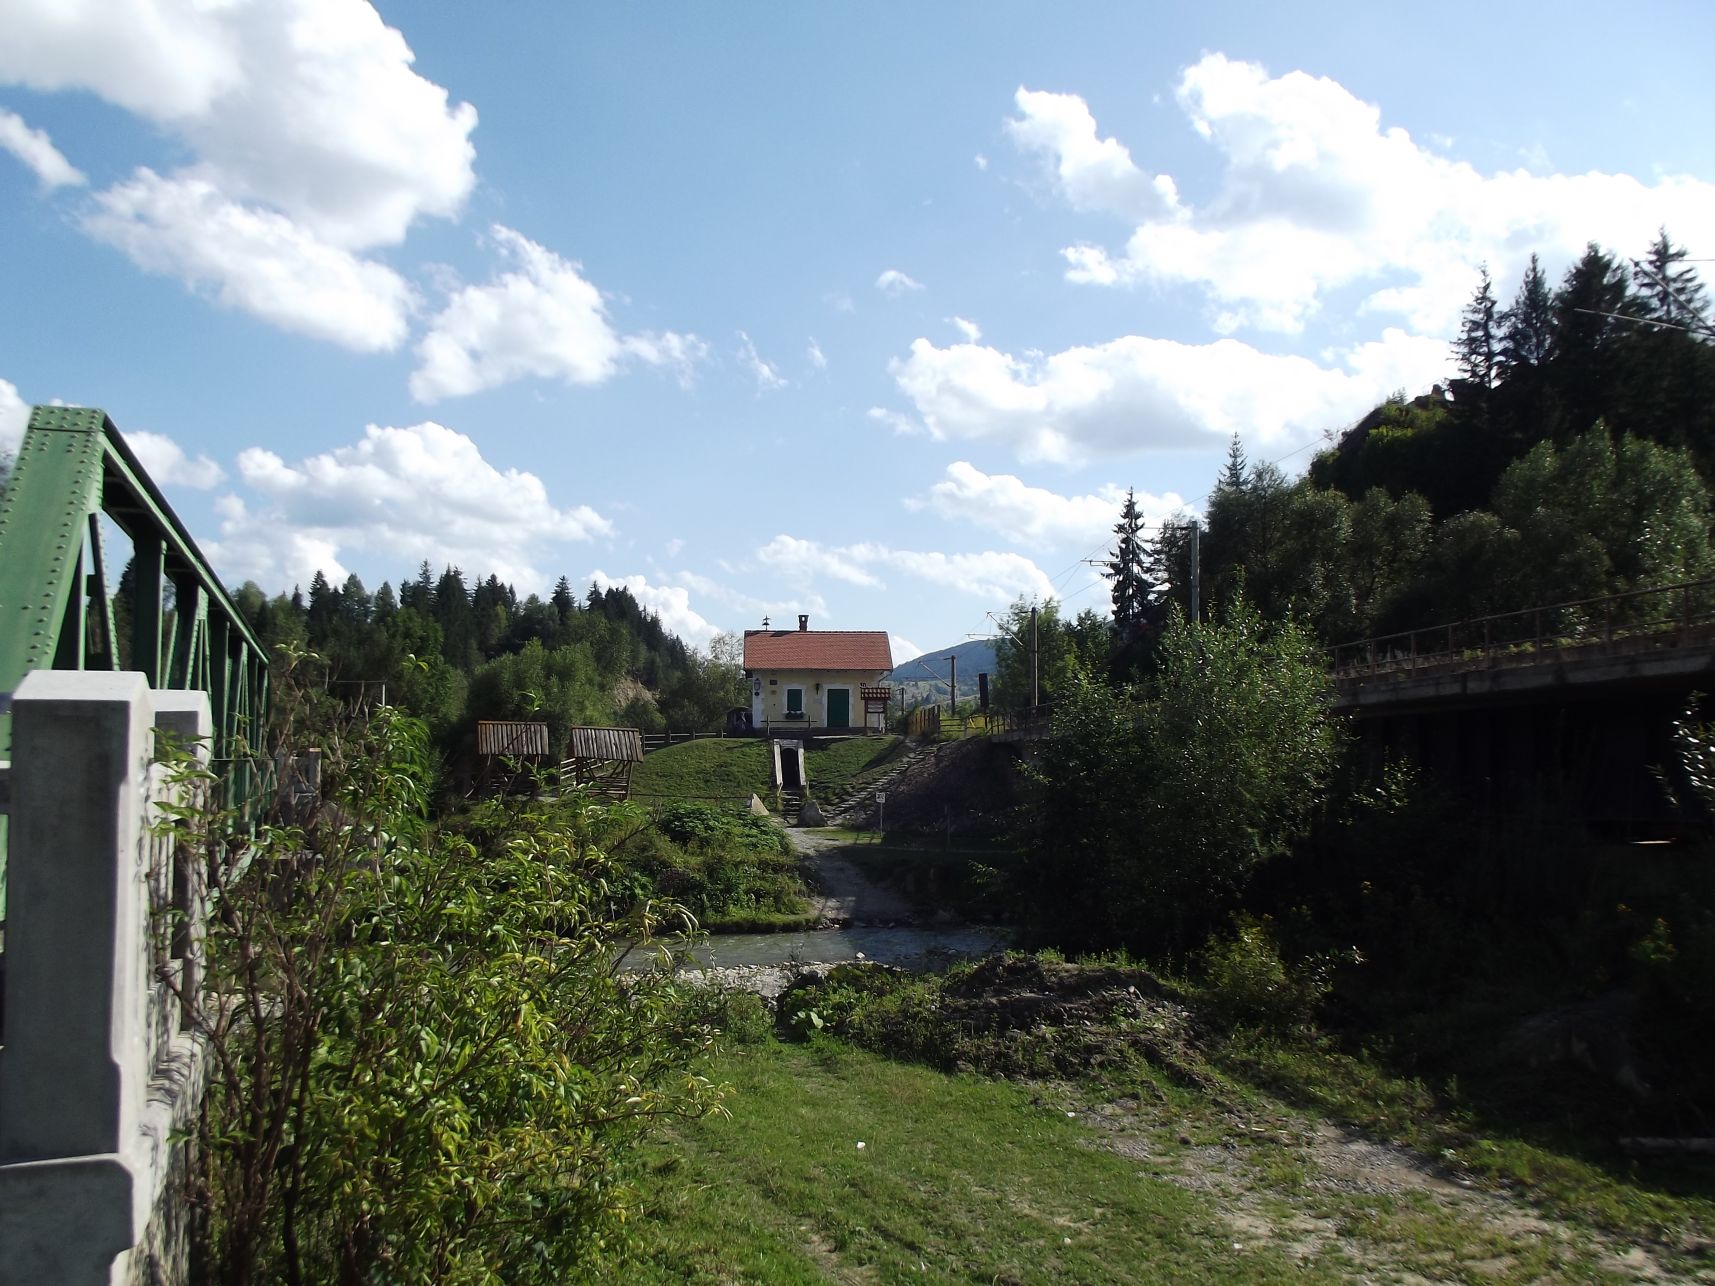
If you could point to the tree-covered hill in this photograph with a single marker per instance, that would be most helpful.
(1569, 455)
(454, 653)
(924, 678)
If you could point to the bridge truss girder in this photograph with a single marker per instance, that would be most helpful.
(56, 609)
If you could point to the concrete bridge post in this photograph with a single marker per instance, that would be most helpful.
(97, 1079)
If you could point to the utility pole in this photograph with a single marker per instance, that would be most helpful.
(1196, 567)
(1035, 680)
(953, 681)
(1035, 677)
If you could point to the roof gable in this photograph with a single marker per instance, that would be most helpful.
(817, 650)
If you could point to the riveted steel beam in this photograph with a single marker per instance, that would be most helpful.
(56, 608)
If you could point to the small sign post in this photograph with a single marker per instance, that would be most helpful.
(881, 804)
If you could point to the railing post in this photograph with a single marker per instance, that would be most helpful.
(1536, 625)
(98, 1082)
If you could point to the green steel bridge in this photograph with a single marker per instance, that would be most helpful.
(57, 600)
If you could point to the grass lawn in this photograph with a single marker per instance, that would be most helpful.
(967, 1179)
(848, 763)
(721, 769)
(959, 1179)
(713, 769)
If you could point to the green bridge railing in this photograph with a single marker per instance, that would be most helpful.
(57, 602)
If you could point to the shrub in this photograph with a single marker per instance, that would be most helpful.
(1246, 983)
(1152, 808)
(723, 866)
(710, 827)
(426, 1068)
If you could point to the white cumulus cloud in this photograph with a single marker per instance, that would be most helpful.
(406, 494)
(895, 283)
(1317, 194)
(805, 561)
(997, 575)
(1034, 515)
(767, 376)
(747, 607)
(255, 260)
(36, 150)
(14, 417)
(672, 603)
(166, 462)
(310, 141)
(540, 319)
(1136, 393)
(1093, 173)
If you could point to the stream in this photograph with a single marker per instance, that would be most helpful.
(905, 947)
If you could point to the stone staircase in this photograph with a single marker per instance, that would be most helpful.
(851, 805)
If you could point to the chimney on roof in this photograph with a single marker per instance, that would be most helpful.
(803, 623)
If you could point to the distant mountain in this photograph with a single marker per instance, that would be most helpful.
(925, 678)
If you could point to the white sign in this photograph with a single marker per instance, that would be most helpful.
(881, 796)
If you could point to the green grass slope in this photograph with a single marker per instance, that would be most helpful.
(716, 770)
(837, 1165)
(712, 770)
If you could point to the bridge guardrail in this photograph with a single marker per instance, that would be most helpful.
(1635, 620)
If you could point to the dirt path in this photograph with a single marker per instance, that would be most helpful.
(1374, 1211)
(843, 894)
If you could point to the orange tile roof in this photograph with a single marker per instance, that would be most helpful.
(817, 650)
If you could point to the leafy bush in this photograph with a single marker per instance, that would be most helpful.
(426, 1068)
(743, 1017)
(1011, 1015)
(724, 866)
(1151, 809)
(710, 827)
(1245, 983)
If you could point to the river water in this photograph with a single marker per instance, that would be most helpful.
(905, 947)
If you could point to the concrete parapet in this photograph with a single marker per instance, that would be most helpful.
(98, 1078)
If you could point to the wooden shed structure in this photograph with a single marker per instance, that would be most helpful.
(600, 759)
(510, 755)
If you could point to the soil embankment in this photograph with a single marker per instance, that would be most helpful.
(841, 893)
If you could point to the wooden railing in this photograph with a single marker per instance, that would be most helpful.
(929, 723)
(658, 740)
(1637, 620)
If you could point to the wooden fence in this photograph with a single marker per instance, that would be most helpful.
(929, 723)
(660, 740)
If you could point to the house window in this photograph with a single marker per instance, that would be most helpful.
(794, 703)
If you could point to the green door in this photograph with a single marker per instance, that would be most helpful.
(839, 707)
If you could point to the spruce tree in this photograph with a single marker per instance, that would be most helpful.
(1590, 309)
(324, 610)
(1236, 474)
(1131, 584)
(1668, 290)
(1528, 326)
(565, 603)
(1475, 347)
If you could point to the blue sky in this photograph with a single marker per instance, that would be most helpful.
(869, 312)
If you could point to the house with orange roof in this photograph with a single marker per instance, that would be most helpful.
(807, 678)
